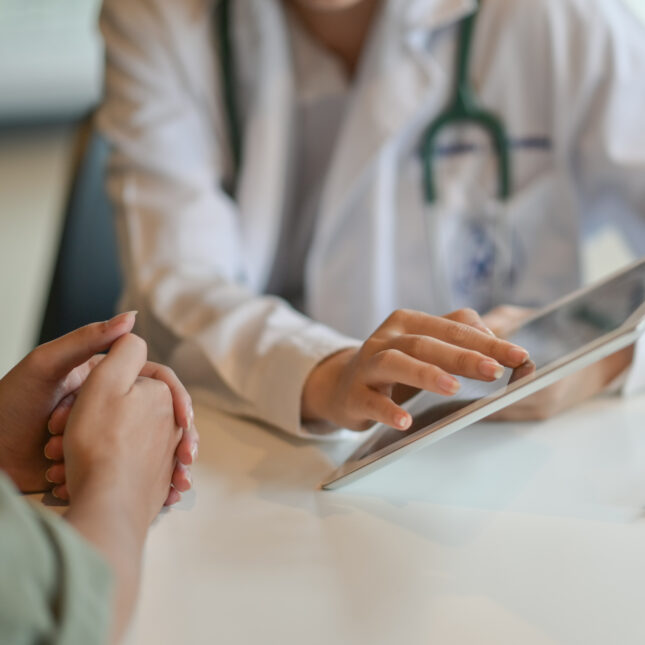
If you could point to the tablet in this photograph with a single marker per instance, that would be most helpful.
(574, 332)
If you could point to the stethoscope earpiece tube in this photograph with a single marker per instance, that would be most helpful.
(465, 109)
(227, 68)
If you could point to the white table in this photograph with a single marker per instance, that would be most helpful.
(512, 534)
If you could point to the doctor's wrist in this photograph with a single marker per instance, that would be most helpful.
(318, 393)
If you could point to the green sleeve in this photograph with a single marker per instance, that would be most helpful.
(54, 587)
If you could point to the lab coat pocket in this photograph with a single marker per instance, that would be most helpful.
(472, 250)
(524, 250)
(544, 239)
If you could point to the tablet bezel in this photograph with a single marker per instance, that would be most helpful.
(596, 350)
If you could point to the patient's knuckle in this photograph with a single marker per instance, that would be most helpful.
(164, 393)
(157, 392)
(138, 344)
(166, 373)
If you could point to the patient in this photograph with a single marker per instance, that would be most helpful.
(125, 455)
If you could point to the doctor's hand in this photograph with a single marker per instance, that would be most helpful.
(504, 320)
(567, 392)
(410, 351)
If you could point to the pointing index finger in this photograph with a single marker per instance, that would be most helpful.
(470, 338)
(466, 336)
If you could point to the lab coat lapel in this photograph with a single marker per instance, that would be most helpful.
(397, 78)
(263, 185)
(399, 87)
(430, 15)
(398, 74)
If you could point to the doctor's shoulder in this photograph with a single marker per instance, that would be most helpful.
(579, 22)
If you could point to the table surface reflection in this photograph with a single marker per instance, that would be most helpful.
(502, 534)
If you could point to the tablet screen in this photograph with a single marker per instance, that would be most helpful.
(548, 338)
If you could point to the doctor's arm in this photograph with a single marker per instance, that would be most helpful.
(602, 135)
(567, 392)
(607, 128)
(184, 255)
(181, 234)
(410, 351)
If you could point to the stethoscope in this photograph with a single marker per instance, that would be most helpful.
(463, 109)
(227, 70)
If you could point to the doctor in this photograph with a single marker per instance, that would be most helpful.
(271, 186)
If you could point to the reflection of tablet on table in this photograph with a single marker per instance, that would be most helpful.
(576, 331)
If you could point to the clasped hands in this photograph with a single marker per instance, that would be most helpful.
(45, 391)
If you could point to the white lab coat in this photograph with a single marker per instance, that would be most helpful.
(566, 76)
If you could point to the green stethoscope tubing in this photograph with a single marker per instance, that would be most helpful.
(227, 68)
(463, 109)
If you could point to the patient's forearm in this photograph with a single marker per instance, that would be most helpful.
(119, 535)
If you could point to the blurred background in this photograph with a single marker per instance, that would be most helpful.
(58, 266)
(639, 8)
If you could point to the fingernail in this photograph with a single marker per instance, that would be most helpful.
(490, 369)
(490, 332)
(189, 477)
(517, 355)
(448, 384)
(193, 452)
(118, 319)
(48, 476)
(403, 421)
(46, 448)
(55, 494)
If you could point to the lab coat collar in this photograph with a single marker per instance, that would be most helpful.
(434, 14)
(400, 86)
(264, 181)
(393, 88)
(406, 69)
